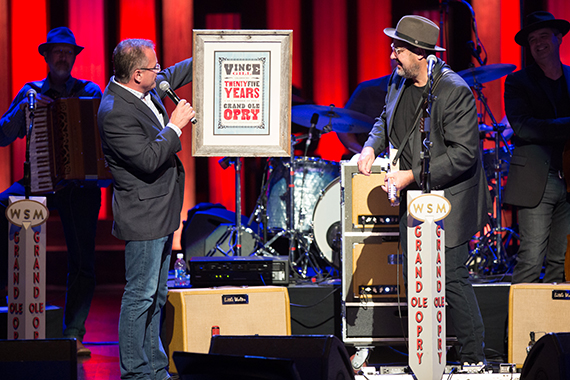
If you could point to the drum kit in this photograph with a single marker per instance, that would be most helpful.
(301, 198)
(302, 195)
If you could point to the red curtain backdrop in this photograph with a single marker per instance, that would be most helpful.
(373, 46)
(5, 90)
(177, 21)
(86, 20)
(27, 63)
(137, 19)
(287, 15)
(561, 9)
(330, 66)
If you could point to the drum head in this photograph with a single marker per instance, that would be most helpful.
(326, 221)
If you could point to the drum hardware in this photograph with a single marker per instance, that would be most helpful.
(490, 255)
(288, 199)
(234, 233)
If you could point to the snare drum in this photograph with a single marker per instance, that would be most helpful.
(310, 177)
(326, 221)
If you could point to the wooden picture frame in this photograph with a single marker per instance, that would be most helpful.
(242, 82)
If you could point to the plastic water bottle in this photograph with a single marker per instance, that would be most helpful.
(180, 278)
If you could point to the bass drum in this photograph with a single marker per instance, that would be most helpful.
(310, 176)
(326, 222)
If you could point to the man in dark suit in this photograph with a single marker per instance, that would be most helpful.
(140, 145)
(537, 104)
(455, 163)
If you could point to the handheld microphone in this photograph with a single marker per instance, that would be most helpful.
(165, 86)
(31, 95)
(431, 61)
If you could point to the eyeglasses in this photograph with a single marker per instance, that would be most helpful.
(66, 52)
(397, 50)
(156, 68)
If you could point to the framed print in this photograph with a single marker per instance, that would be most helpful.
(242, 93)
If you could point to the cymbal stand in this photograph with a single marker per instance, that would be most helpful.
(234, 233)
(492, 242)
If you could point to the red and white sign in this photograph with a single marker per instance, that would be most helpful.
(26, 267)
(426, 283)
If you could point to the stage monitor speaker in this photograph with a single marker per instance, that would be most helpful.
(191, 314)
(46, 359)
(203, 221)
(537, 308)
(317, 357)
(194, 366)
(548, 359)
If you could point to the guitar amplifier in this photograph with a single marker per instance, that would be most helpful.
(537, 309)
(372, 279)
(193, 316)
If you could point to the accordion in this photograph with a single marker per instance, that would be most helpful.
(65, 146)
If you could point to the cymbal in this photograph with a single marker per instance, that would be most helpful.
(332, 118)
(484, 74)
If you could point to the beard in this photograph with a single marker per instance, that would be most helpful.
(412, 71)
(61, 68)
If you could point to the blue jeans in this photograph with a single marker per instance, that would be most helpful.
(141, 352)
(461, 305)
(543, 230)
(78, 209)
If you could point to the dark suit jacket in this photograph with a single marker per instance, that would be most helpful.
(530, 111)
(148, 177)
(455, 163)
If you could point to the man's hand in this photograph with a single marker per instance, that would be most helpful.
(41, 101)
(366, 160)
(182, 114)
(401, 179)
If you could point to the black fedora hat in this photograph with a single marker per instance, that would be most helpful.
(418, 31)
(539, 20)
(61, 35)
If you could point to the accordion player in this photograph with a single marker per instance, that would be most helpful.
(65, 146)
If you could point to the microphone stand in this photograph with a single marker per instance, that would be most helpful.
(27, 168)
(425, 129)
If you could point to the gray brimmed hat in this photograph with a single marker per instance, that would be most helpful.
(539, 20)
(418, 31)
(61, 35)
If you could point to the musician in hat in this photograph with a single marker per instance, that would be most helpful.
(455, 162)
(78, 206)
(537, 105)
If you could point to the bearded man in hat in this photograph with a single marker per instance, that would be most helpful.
(537, 104)
(455, 162)
(78, 206)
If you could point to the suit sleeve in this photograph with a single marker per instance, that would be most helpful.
(520, 110)
(127, 139)
(457, 132)
(177, 76)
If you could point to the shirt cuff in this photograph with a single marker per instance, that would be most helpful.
(175, 128)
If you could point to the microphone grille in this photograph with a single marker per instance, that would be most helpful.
(164, 85)
(431, 58)
(31, 91)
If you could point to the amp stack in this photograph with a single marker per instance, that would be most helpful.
(373, 291)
